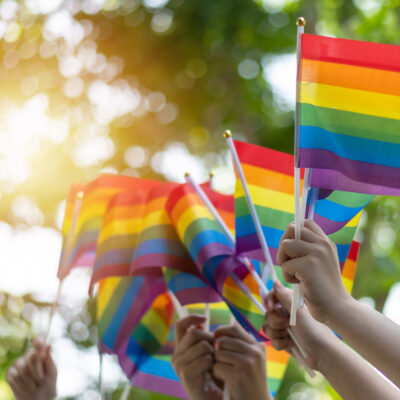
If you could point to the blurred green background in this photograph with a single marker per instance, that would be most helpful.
(146, 88)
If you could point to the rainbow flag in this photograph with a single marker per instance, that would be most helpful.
(269, 175)
(213, 253)
(159, 249)
(146, 357)
(350, 266)
(97, 196)
(277, 361)
(350, 114)
(72, 202)
(121, 304)
(122, 223)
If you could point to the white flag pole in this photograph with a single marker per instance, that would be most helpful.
(297, 210)
(221, 224)
(64, 259)
(250, 204)
(125, 393)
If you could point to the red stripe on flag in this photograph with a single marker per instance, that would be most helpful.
(263, 157)
(352, 52)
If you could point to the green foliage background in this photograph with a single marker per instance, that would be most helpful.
(193, 60)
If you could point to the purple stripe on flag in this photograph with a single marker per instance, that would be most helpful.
(108, 271)
(371, 177)
(150, 382)
(212, 250)
(197, 295)
(158, 384)
(327, 225)
(247, 248)
(161, 260)
(225, 268)
(334, 180)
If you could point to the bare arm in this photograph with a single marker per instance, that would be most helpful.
(351, 376)
(313, 262)
(369, 332)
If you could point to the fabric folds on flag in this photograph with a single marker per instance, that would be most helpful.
(121, 303)
(350, 114)
(117, 240)
(97, 196)
(212, 252)
(160, 249)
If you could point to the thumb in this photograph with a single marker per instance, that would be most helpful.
(284, 295)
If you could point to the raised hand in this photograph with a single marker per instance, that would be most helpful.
(34, 375)
(193, 358)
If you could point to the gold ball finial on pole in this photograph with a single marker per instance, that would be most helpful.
(187, 174)
(301, 21)
(211, 174)
(227, 134)
(79, 195)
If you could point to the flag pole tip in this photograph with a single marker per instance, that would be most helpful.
(301, 21)
(227, 134)
(79, 195)
(187, 174)
(211, 174)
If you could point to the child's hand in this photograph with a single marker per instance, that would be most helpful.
(193, 358)
(240, 363)
(34, 375)
(311, 334)
(313, 262)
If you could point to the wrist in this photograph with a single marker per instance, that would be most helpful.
(341, 310)
(330, 351)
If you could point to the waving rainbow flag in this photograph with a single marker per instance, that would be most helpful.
(121, 304)
(269, 175)
(117, 240)
(147, 359)
(213, 253)
(97, 196)
(350, 114)
(72, 209)
(159, 249)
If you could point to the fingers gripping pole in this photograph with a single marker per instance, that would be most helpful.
(296, 290)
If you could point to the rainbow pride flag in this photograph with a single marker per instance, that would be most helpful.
(213, 253)
(350, 266)
(159, 248)
(97, 196)
(269, 175)
(121, 304)
(147, 359)
(71, 203)
(117, 239)
(350, 114)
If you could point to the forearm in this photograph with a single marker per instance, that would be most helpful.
(371, 334)
(352, 377)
